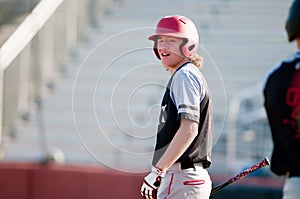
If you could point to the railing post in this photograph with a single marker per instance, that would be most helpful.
(24, 83)
(47, 53)
(71, 24)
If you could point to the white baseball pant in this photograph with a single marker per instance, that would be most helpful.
(192, 183)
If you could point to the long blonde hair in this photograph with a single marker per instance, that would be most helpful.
(196, 60)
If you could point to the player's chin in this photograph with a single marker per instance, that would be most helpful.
(166, 63)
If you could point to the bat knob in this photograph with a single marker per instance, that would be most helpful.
(267, 161)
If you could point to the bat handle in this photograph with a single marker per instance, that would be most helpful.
(242, 174)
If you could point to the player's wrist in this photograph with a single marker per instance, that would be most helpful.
(158, 171)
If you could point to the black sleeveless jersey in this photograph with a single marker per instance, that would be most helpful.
(200, 149)
(282, 104)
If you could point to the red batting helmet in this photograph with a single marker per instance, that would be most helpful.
(181, 27)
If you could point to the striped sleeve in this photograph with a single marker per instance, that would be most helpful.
(187, 93)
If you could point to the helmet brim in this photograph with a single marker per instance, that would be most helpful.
(165, 32)
(155, 36)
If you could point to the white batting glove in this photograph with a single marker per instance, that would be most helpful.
(152, 182)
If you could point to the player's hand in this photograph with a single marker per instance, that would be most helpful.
(152, 182)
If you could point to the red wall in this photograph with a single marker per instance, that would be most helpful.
(54, 181)
(33, 181)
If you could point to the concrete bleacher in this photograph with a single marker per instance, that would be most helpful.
(104, 107)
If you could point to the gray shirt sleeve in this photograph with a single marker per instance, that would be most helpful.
(187, 92)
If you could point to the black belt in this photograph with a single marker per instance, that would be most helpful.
(187, 165)
(293, 174)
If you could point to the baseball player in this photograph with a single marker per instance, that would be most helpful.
(282, 104)
(184, 139)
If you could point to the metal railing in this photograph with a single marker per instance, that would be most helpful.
(32, 55)
(248, 134)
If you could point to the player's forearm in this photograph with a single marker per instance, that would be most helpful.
(181, 141)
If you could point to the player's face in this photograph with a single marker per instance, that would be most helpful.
(169, 52)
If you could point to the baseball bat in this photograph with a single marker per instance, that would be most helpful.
(261, 164)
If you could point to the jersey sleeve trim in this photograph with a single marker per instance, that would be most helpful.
(194, 108)
(187, 116)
